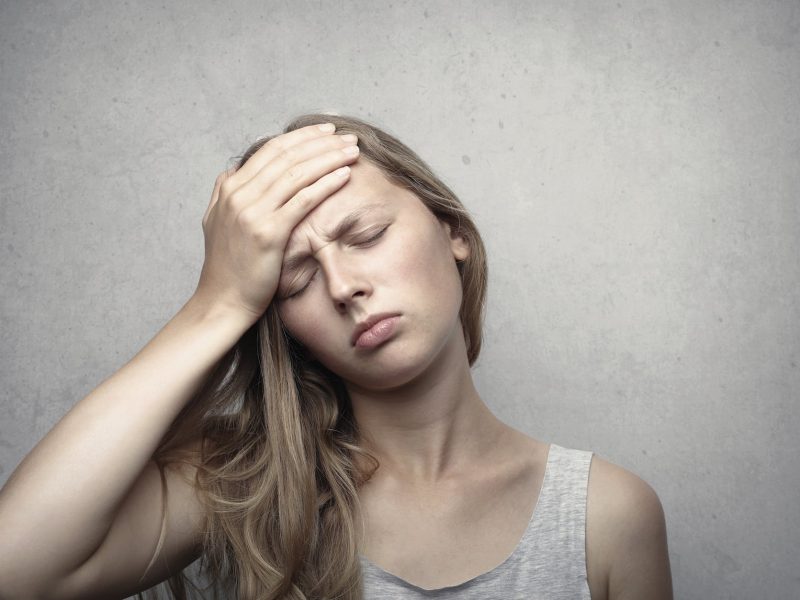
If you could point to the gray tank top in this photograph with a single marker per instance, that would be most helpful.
(549, 561)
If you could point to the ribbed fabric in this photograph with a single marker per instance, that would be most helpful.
(549, 562)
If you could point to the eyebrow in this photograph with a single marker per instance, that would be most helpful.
(345, 226)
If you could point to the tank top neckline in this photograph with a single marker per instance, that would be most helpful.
(546, 483)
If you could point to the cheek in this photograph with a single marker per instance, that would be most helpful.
(424, 262)
(304, 325)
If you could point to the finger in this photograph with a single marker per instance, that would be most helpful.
(296, 160)
(215, 194)
(307, 199)
(280, 143)
(306, 173)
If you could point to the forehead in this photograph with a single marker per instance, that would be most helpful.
(367, 192)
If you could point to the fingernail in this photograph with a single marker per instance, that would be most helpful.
(349, 137)
(327, 127)
(342, 172)
(351, 150)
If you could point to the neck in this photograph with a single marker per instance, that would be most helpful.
(434, 429)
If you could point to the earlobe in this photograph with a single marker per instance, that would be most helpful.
(460, 249)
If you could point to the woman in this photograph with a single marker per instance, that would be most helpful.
(307, 422)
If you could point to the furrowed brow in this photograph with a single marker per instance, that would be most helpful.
(345, 226)
(350, 221)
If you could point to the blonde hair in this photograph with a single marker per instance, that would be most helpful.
(280, 465)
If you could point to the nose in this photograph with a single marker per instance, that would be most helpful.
(347, 283)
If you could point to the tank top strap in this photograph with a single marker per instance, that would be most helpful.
(558, 531)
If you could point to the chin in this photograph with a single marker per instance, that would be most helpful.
(391, 367)
(385, 380)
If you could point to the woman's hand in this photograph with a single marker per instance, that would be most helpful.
(253, 211)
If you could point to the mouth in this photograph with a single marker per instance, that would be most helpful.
(374, 330)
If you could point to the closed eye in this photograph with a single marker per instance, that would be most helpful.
(372, 239)
(303, 289)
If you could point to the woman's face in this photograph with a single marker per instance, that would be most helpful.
(373, 250)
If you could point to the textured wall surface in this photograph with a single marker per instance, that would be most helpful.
(633, 167)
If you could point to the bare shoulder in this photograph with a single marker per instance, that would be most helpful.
(521, 445)
(626, 537)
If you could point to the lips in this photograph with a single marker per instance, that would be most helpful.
(368, 324)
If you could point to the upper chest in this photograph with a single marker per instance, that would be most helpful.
(446, 534)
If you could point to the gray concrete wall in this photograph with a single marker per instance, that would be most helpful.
(633, 167)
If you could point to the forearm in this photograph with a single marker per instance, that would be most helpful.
(57, 507)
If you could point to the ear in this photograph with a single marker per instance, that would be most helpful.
(458, 245)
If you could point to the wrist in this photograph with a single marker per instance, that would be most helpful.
(219, 312)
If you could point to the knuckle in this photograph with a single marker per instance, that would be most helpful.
(288, 155)
(303, 197)
(237, 201)
(245, 219)
(295, 173)
(275, 144)
(265, 235)
(226, 188)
